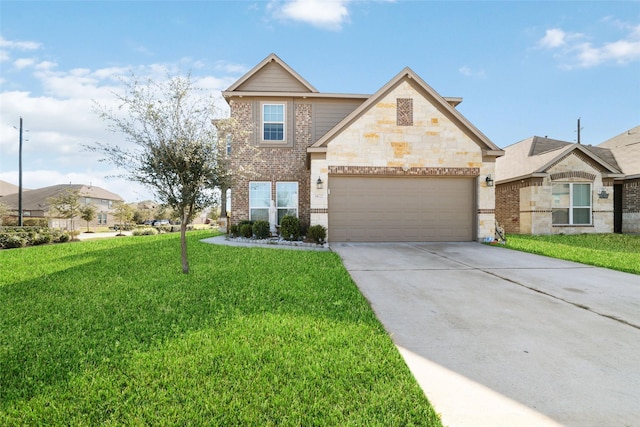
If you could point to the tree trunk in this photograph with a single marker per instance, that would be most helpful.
(183, 247)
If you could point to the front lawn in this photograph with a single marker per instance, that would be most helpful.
(111, 332)
(614, 251)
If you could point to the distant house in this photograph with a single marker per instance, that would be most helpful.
(35, 204)
(7, 188)
(402, 164)
(548, 186)
(626, 190)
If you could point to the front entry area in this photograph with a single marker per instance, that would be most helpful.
(401, 209)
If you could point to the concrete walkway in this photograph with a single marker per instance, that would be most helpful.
(503, 338)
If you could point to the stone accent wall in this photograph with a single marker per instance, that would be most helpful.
(380, 143)
(271, 164)
(631, 206)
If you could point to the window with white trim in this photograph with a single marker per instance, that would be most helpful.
(259, 200)
(273, 122)
(571, 203)
(286, 199)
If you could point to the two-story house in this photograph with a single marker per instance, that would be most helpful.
(399, 165)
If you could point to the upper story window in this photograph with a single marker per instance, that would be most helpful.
(273, 122)
(571, 204)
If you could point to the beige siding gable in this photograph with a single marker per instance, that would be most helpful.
(375, 139)
(327, 114)
(273, 77)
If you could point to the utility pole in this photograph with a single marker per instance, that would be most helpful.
(20, 178)
(578, 130)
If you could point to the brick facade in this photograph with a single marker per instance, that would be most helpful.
(508, 203)
(271, 164)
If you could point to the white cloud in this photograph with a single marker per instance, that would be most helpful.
(468, 72)
(59, 115)
(574, 51)
(327, 14)
(23, 63)
(553, 38)
(19, 45)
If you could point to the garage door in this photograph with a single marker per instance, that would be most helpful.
(392, 209)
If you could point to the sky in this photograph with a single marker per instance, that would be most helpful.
(522, 68)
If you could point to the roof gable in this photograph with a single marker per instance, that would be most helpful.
(272, 75)
(536, 155)
(428, 93)
(626, 149)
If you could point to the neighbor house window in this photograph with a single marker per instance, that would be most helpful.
(571, 204)
(259, 200)
(286, 199)
(102, 218)
(273, 122)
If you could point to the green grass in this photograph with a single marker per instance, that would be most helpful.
(615, 251)
(110, 332)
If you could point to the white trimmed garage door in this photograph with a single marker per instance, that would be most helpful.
(401, 209)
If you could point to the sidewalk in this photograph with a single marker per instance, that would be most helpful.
(87, 236)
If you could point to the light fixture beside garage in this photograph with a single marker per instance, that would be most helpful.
(489, 181)
(319, 184)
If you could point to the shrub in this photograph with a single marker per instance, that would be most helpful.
(61, 237)
(290, 228)
(144, 231)
(234, 230)
(317, 233)
(246, 230)
(41, 239)
(13, 240)
(261, 229)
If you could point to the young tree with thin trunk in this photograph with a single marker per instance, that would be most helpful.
(88, 213)
(175, 150)
(123, 213)
(66, 205)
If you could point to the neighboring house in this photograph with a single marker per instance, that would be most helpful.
(547, 186)
(399, 165)
(35, 204)
(7, 188)
(626, 190)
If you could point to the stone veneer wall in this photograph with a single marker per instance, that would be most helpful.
(376, 143)
(271, 164)
(631, 206)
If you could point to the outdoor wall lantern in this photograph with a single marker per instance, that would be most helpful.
(603, 194)
(489, 181)
(319, 184)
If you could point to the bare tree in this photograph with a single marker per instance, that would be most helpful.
(175, 150)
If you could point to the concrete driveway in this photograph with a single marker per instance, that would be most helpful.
(497, 337)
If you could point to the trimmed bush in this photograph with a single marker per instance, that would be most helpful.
(261, 229)
(42, 239)
(61, 238)
(290, 227)
(234, 230)
(144, 231)
(317, 233)
(246, 230)
(13, 240)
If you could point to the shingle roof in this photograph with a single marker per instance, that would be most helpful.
(534, 155)
(38, 199)
(626, 149)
